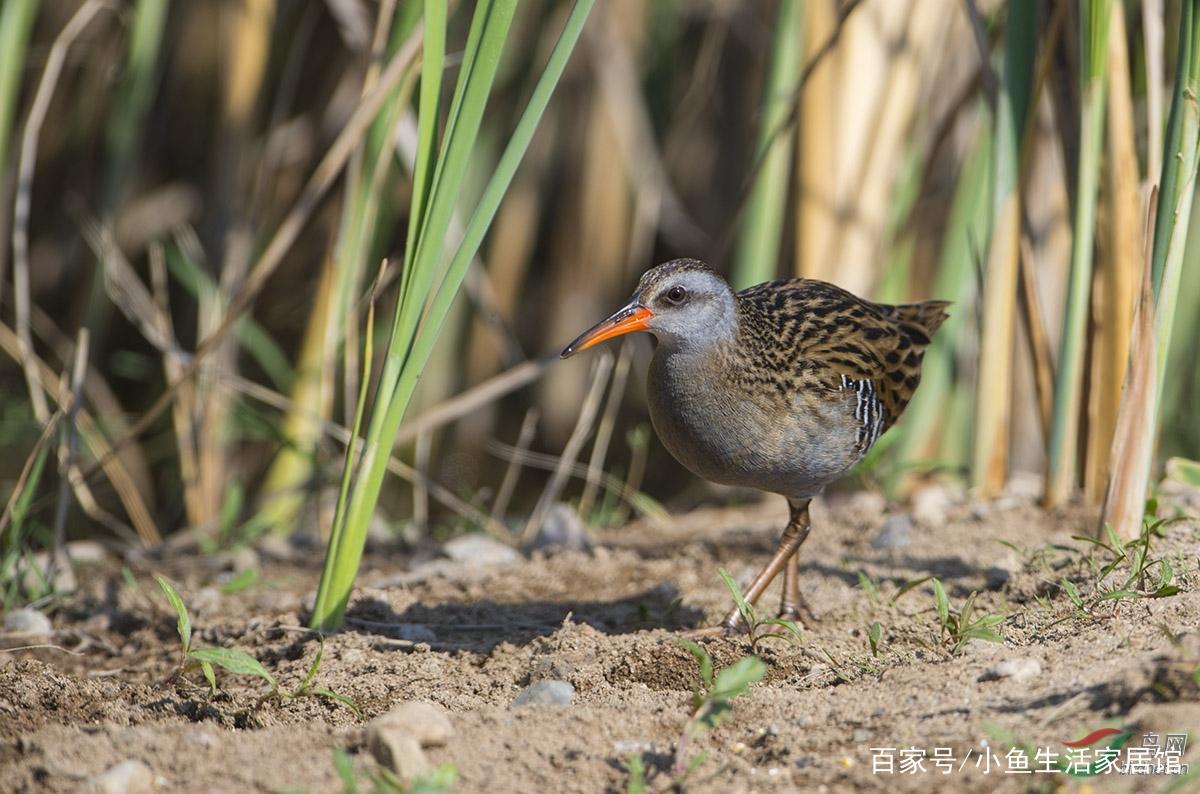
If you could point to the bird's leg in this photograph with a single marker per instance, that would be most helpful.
(792, 606)
(794, 534)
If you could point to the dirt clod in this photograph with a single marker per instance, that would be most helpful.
(398, 750)
(427, 723)
(126, 777)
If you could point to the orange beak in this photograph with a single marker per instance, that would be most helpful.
(631, 317)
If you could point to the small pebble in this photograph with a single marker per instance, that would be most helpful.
(415, 632)
(427, 723)
(28, 621)
(865, 507)
(127, 777)
(34, 578)
(862, 735)
(896, 533)
(202, 738)
(243, 559)
(480, 550)
(627, 747)
(206, 600)
(549, 693)
(398, 750)
(1019, 669)
(930, 505)
(562, 529)
(276, 547)
(86, 552)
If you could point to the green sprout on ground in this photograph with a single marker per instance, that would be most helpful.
(239, 662)
(961, 626)
(637, 775)
(1148, 576)
(384, 781)
(874, 634)
(758, 628)
(712, 700)
(868, 585)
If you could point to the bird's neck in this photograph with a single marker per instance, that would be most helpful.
(708, 346)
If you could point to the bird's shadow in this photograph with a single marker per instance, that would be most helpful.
(480, 626)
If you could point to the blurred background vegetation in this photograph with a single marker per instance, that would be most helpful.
(171, 174)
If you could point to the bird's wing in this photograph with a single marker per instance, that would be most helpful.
(829, 339)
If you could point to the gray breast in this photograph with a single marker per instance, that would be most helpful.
(724, 433)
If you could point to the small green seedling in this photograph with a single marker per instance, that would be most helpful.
(868, 586)
(712, 700)
(757, 628)
(874, 633)
(238, 661)
(959, 627)
(243, 580)
(1147, 577)
(637, 775)
(439, 781)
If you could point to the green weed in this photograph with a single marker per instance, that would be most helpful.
(238, 661)
(758, 628)
(958, 627)
(439, 781)
(712, 700)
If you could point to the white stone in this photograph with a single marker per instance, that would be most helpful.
(127, 777)
(28, 621)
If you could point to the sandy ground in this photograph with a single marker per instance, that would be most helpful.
(470, 637)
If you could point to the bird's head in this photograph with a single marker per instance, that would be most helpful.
(684, 303)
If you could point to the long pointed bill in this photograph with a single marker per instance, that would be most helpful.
(633, 316)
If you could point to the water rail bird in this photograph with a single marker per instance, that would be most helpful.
(781, 387)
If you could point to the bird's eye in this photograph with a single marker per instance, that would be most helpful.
(676, 295)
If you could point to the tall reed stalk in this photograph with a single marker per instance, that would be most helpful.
(1063, 452)
(758, 250)
(16, 22)
(1139, 415)
(427, 287)
(994, 406)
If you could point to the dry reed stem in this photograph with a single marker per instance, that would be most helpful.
(68, 448)
(513, 471)
(21, 206)
(1155, 51)
(635, 139)
(286, 235)
(100, 448)
(1133, 439)
(420, 511)
(183, 409)
(574, 445)
(546, 462)
(1035, 332)
(476, 397)
(101, 397)
(341, 434)
(604, 431)
(1116, 290)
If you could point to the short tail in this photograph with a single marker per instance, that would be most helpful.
(929, 315)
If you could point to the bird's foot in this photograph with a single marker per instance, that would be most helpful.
(799, 613)
(731, 626)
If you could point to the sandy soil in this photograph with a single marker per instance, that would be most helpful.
(469, 638)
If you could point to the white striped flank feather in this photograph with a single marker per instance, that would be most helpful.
(868, 410)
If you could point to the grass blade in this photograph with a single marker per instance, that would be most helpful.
(183, 624)
(235, 661)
